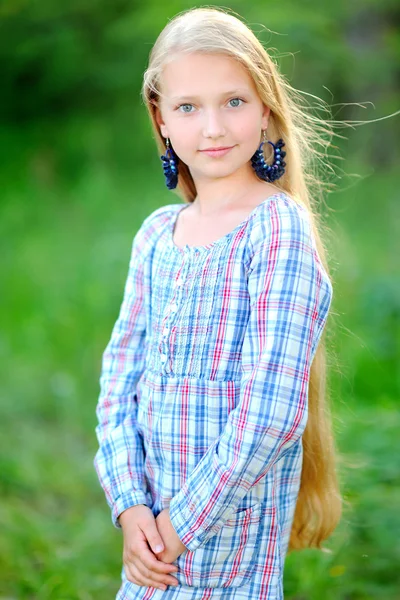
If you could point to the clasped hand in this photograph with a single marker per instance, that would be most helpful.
(173, 546)
(143, 565)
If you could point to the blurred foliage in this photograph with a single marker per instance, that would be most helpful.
(76, 152)
(72, 72)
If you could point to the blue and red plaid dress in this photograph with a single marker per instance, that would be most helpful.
(204, 389)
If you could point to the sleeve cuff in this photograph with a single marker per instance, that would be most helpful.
(125, 501)
(184, 522)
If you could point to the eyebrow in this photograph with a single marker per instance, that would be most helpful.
(237, 91)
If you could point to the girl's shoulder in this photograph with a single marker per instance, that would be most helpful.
(153, 225)
(278, 219)
(159, 215)
(284, 230)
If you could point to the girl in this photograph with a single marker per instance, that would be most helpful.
(215, 447)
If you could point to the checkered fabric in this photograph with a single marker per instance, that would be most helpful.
(204, 389)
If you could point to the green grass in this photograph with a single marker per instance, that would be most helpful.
(65, 252)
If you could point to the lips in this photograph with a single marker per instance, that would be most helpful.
(215, 149)
(217, 152)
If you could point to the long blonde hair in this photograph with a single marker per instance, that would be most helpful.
(212, 30)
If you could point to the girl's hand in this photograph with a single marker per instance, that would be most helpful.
(173, 547)
(141, 566)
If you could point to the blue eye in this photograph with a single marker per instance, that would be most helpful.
(184, 105)
(188, 112)
(236, 99)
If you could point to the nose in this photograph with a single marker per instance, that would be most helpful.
(214, 126)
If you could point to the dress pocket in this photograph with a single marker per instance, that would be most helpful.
(226, 559)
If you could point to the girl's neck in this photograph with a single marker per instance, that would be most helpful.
(207, 206)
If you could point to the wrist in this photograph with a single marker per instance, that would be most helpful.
(125, 515)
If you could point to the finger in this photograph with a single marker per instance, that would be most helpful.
(148, 574)
(152, 562)
(133, 575)
(152, 535)
(143, 573)
(133, 579)
(155, 564)
(148, 529)
(140, 579)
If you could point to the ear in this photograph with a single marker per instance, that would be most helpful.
(160, 122)
(265, 117)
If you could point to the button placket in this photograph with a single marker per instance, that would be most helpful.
(171, 311)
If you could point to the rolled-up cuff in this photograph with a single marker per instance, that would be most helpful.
(183, 522)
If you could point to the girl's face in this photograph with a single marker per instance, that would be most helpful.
(210, 101)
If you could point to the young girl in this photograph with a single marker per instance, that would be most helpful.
(215, 447)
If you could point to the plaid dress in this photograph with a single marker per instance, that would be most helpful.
(204, 389)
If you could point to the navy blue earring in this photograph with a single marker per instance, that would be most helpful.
(170, 167)
(265, 171)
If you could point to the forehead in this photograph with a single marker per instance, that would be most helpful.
(199, 75)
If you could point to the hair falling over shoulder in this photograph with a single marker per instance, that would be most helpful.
(212, 30)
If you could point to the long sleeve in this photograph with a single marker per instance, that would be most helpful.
(289, 295)
(120, 458)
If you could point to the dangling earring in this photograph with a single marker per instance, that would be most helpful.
(265, 171)
(170, 167)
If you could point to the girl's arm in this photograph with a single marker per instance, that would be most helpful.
(120, 457)
(290, 296)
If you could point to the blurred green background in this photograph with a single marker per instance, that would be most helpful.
(79, 171)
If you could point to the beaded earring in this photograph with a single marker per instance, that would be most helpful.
(265, 171)
(170, 167)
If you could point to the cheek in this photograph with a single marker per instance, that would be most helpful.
(186, 138)
(249, 129)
